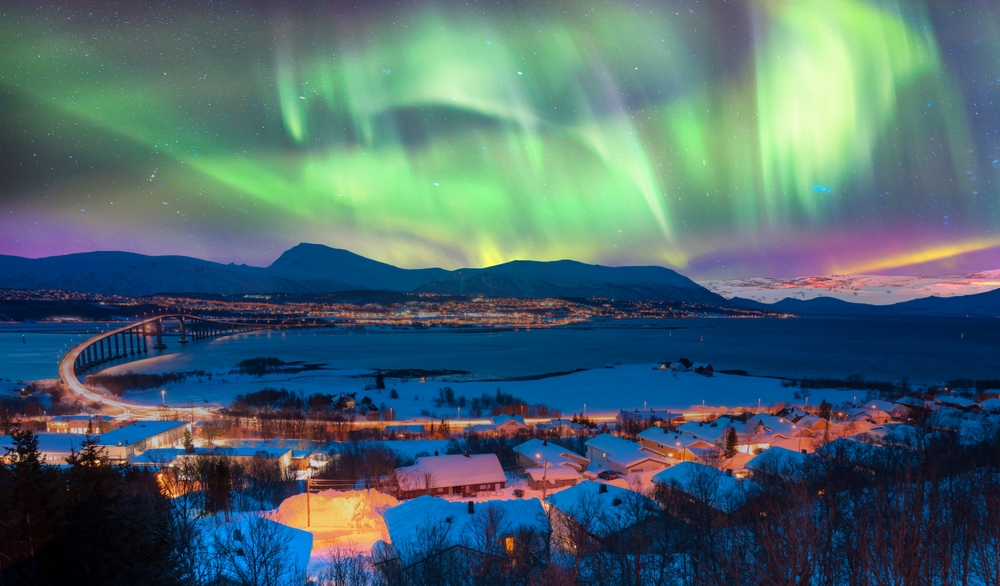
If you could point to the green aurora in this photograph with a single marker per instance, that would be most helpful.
(722, 139)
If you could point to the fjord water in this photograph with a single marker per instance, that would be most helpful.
(926, 350)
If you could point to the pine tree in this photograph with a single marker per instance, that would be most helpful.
(731, 440)
(90, 454)
(188, 442)
(379, 381)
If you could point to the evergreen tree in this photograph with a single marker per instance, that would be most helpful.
(379, 381)
(187, 441)
(730, 449)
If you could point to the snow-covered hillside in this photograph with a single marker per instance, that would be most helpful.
(871, 289)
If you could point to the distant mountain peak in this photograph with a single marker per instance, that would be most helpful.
(316, 268)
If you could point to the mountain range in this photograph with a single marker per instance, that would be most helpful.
(977, 305)
(313, 268)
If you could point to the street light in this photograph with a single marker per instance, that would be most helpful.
(163, 397)
(545, 475)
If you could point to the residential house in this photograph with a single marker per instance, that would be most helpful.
(779, 462)
(673, 444)
(602, 513)
(508, 425)
(561, 428)
(709, 490)
(536, 452)
(485, 430)
(610, 452)
(552, 476)
(454, 536)
(465, 475)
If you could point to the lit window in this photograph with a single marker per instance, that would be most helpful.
(508, 544)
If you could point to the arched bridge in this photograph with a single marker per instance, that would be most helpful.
(133, 340)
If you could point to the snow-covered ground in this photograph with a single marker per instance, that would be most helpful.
(602, 391)
(873, 289)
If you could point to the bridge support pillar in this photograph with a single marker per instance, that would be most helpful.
(118, 352)
(183, 339)
(159, 345)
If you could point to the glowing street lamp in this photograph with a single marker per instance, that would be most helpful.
(163, 396)
(545, 475)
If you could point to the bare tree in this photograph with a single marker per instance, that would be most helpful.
(257, 553)
(342, 567)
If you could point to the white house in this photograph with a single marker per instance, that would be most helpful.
(456, 525)
(708, 486)
(624, 457)
(536, 452)
(508, 424)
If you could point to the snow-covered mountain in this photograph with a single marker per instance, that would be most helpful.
(868, 289)
(976, 305)
(312, 268)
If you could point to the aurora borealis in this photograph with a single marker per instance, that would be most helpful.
(721, 138)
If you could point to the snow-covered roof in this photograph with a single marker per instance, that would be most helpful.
(972, 432)
(483, 428)
(707, 485)
(878, 404)
(602, 513)
(623, 452)
(772, 425)
(255, 535)
(409, 523)
(243, 452)
(961, 402)
(157, 457)
(991, 405)
(780, 461)
(709, 432)
(138, 432)
(165, 456)
(499, 420)
(902, 434)
(911, 402)
(535, 451)
(55, 447)
(452, 470)
(848, 449)
(553, 473)
(71, 418)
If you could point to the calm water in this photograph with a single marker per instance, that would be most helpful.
(924, 349)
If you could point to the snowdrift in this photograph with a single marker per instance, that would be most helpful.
(359, 510)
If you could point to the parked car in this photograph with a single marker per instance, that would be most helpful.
(608, 475)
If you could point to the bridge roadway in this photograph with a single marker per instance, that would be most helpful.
(68, 364)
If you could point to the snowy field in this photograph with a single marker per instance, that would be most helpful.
(604, 391)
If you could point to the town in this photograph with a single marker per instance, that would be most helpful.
(636, 497)
(347, 309)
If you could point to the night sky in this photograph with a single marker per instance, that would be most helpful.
(720, 138)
